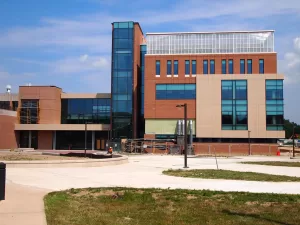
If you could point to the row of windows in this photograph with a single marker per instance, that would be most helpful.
(175, 91)
(211, 70)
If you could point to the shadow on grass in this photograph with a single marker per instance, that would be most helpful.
(255, 216)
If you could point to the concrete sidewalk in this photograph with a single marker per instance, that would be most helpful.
(23, 205)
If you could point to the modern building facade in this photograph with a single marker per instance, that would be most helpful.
(48, 118)
(228, 80)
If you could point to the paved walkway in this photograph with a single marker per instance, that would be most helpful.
(23, 205)
(24, 202)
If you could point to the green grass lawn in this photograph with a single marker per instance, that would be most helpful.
(274, 163)
(230, 175)
(117, 206)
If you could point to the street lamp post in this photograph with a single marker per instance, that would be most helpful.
(249, 148)
(85, 137)
(293, 140)
(185, 133)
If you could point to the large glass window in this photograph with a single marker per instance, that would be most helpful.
(261, 66)
(175, 67)
(230, 67)
(29, 111)
(212, 66)
(234, 105)
(5, 105)
(169, 67)
(175, 91)
(194, 67)
(157, 67)
(274, 105)
(224, 66)
(242, 66)
(187, 67)
(121, 85)
(249, 66)
(205, 66)
(79, 111)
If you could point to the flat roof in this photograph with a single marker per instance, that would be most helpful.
(213, 32)
(85, 95)
(40, 86)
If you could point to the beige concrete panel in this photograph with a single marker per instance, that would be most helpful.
(82, 95)
(69, 127)
(9, 97)
(208, 107)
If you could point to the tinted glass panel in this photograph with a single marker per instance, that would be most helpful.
(205, 67)
(249, 66)
(223, 66)
(230, 67)
(261, 66)
(157, 67)
(234, 105)
(242, 66)
(274, 105)
(212, 66)
(175, 67)
(194, 67)
(187, 67)
(175, 91)
(169, 67)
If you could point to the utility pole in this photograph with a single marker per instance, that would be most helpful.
(185, 133)
(293, 140)
(249, 148)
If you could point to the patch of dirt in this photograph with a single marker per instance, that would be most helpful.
(251, 203)
(100, 193)
(19, 156)
(191, 197)
(140, 191)
(156, 196)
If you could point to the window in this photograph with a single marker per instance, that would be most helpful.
(212, 66)
(97, 111)
(175, 67)
(249, 66)
(194, 67)
(169, 67)
(157, 67)
(274, 105)
(175, 91)
(261, 66)
(234, 105)
(230, 66)
(242, 66)
(224, 66)
(187, 67)
(29, 112)
(205, 67)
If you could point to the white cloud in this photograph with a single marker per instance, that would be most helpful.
(100, 63)
(200, 9)
(290, 65)
(87, 64)
(83, 58)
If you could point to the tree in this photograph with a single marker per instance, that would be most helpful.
(288, 127)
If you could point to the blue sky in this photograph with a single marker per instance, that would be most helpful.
(67, 43)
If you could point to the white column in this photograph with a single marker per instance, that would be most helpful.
(93, 140)
(54, 140)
